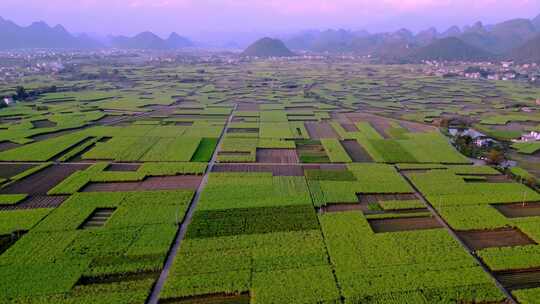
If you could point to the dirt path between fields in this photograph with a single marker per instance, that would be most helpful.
(479, 261)
(154, 296)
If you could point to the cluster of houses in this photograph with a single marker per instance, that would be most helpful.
(485, 70)
(529, 137)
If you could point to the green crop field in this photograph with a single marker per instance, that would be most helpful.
(265, 182)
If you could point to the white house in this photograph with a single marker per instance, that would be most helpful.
(8, 101)
(531, 136)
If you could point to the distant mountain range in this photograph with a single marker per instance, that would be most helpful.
(150, 41)
(267, 47)
(472, 42)
(529, 52)
(513, 39)
(41, 35)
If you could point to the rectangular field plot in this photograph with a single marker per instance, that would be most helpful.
(343, 207)
(123, 167)
(518, 210)
(277, 156)
(381, 197)
(505, 237)
(212, 299)
(41, 182)
(150, 183)
(320, 130)
(403, 224)
(519, 279)
(276, 170)
(38, 201)
(356, 152)
(98, 218)
(10, 170)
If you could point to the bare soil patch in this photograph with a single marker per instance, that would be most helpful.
(232, 154)
(243, 130)
(123, 167)
(38, 201)
(505, 237)
(380, 124)
(98, 218)
(319, 130)
(43, 181)
(184, 123)
(115, 278)
(248, 107)
(109, 119)
(277, 156)
(415, 127)
(43, 123)
(55, 134)
(343, 207)
(519, 209)
(276, 170)
(519, 279)
(7, 241)
(488, 179)
(403, 224)
(211, 299)
(356, 152)
(375, 198)
(325, 167)
(188, 182)
(9, 170)
(349, 127)
(6, 145)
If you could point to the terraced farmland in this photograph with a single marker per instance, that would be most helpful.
(221, 186)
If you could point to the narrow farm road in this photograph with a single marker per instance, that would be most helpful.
(154, 296)
(443, 222)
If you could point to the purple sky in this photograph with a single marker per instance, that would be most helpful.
(194, 17)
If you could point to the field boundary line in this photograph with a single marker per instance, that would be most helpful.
(158, 286)
(443, 222)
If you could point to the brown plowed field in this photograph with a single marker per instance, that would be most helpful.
(210, 299)
(319, 130)
(9, 170)
(277, 170)
(375, 198)
(39, 201)
(380, 124)
(489, 179)
(505, 237)
(184, 123)
(417, 127)
(44, 180)
(55, 134)
(349, 127)
(123, 167)
(44, 123)
(243, 130)
(332, 167)
(248, 107)
(403, 224)
(188, 182)
(6, 145)
(356, 152)
(109, 119)
(519, 209)
(342, 207)
(277, 156)
(519, 279)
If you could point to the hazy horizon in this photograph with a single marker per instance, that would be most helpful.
(214, 19)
